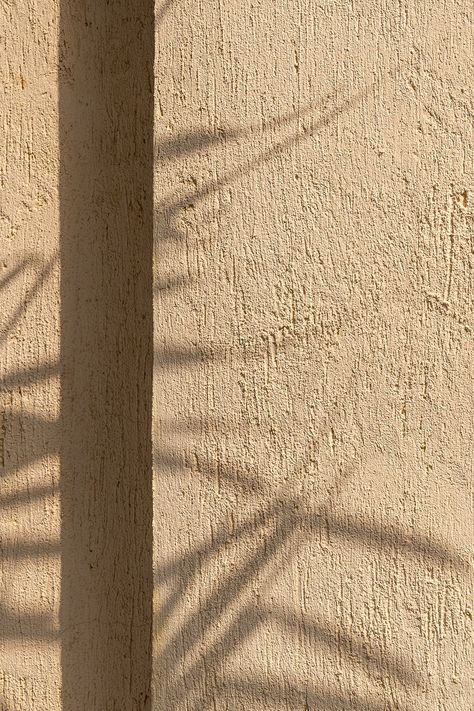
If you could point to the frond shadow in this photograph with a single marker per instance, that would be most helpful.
(190, 655)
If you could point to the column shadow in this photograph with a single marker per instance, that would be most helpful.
(106, 53)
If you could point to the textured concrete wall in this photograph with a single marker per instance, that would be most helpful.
(29, 349)
(76, 348)
(313, 423)
(106, 220)
(313, 420)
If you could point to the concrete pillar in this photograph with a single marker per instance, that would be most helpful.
(106, 228)
(76, 356)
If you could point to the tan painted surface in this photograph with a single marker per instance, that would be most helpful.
(106, 191)
(76, 357)
(313, 420)
(29, 347)
(314, 343)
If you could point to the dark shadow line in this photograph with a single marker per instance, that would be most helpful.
(384, 538)
(291, 696)
(167, 211)
(29, 296)
(228, 592)
(175, 357)
(16, 270)
(30, 376)
(226, 474)
(354, 648)
(223, 596)
(195, 140)
(44, 442)
(162, 10)
(249, 618)
(27, 625)
(286, 519)
(343, 527)
(172, 283)
(33, 493)
(192, 141)
(19, 550)
(224, 537)
(165, 358)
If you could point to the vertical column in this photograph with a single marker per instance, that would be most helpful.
(105, 117)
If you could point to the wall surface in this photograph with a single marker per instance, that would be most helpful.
(106, 224)
(313, 425)
(313, 410)
(76, 353)
(29, 348)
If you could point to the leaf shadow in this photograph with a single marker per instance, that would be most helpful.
(192, 646)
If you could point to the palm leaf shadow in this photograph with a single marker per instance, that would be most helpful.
(43, 271)
(186, 663)
(284, 518)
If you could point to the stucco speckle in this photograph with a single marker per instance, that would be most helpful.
(313, 355)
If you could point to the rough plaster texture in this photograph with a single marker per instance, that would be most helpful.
(29, 348)
(313, 424)
(106, 211)
(76, 355)
(313, 420)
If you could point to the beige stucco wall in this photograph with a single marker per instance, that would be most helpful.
(106, 220)
(313, 407)
(29, 348)
(76, 348)
(314, 355)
